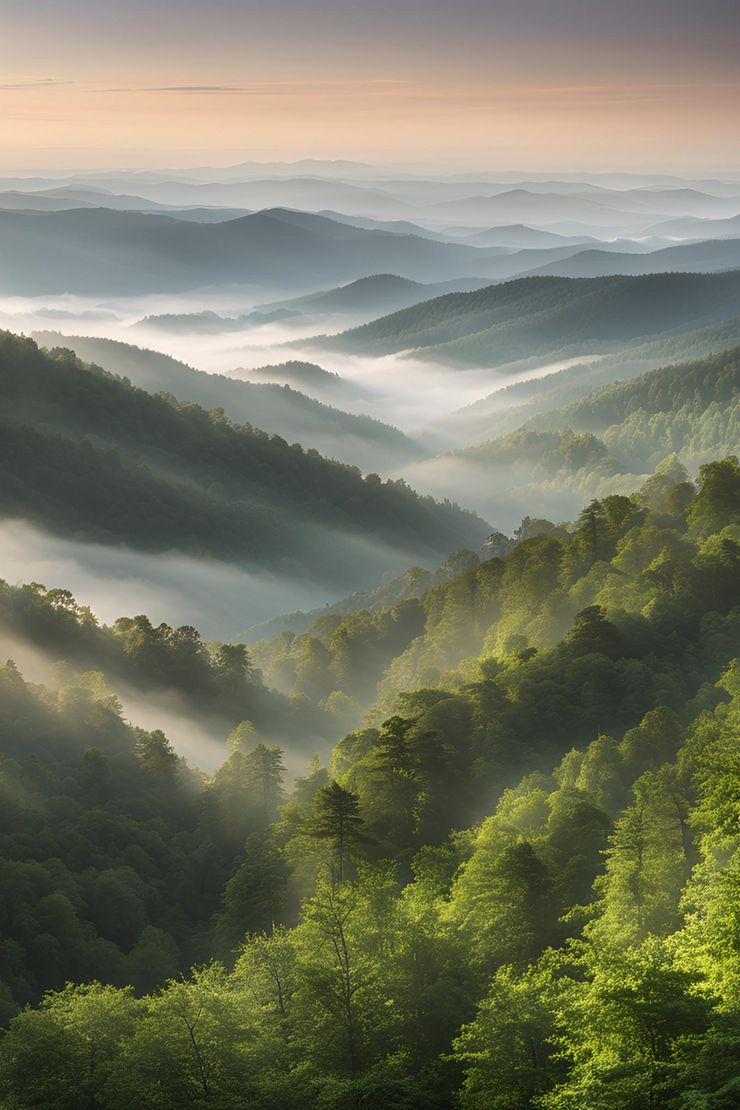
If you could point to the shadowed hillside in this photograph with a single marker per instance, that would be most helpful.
(547, 315)
(86, 453)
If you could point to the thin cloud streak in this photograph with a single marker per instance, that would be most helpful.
(33, 83)
(269, 88)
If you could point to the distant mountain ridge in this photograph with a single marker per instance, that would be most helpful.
(212, 323)
(377, 293)
(708, 256)
(542, 315)
(305, 376)
(520, 236)
(94, 251)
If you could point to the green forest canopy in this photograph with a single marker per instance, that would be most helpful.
(506, 409)
(541, 316)
(571, 943)
(604, 442)
(276, 408)
(84, 452)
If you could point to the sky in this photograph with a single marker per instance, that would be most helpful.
(416, 84)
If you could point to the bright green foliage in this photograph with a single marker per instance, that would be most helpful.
(515, 888)
(64, 1054)
(623, 1028)
(337, 820)
(510, 1050)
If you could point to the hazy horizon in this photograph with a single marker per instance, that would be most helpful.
(509, 86)
(179, 162)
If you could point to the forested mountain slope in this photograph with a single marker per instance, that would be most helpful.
(539, 316)
(214, 684)
(208, 322)
(86, 453)
(607, 442)
(359, 440)
(691, 408)
(415, 583)
(111, 865)
(570, 944)
(311, 380)
(507, 409)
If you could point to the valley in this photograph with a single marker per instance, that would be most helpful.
(370, 618)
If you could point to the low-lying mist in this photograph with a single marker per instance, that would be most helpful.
(218, 599)
(202, 743)
(494, 492)
(404, 390)
(503, 496)
(221, 600)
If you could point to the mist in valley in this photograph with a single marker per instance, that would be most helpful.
(437, 406)
(218, 599)
(221, 600)
(403, 389)
(369, 555)
(202, 743)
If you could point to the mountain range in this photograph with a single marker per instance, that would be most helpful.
(380, 293)
(88, 454)
(94, 251)
(283, 411)
(702, 257)
(538, 316)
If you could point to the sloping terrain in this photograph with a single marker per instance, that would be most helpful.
(89, 455)
(94, 251)
(379, 293)
(543, 315)
(283, 411)
(704, 257)
(508, 408)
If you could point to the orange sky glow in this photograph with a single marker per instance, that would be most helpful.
(109, 87)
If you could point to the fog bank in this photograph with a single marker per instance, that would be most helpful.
(217, 599)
